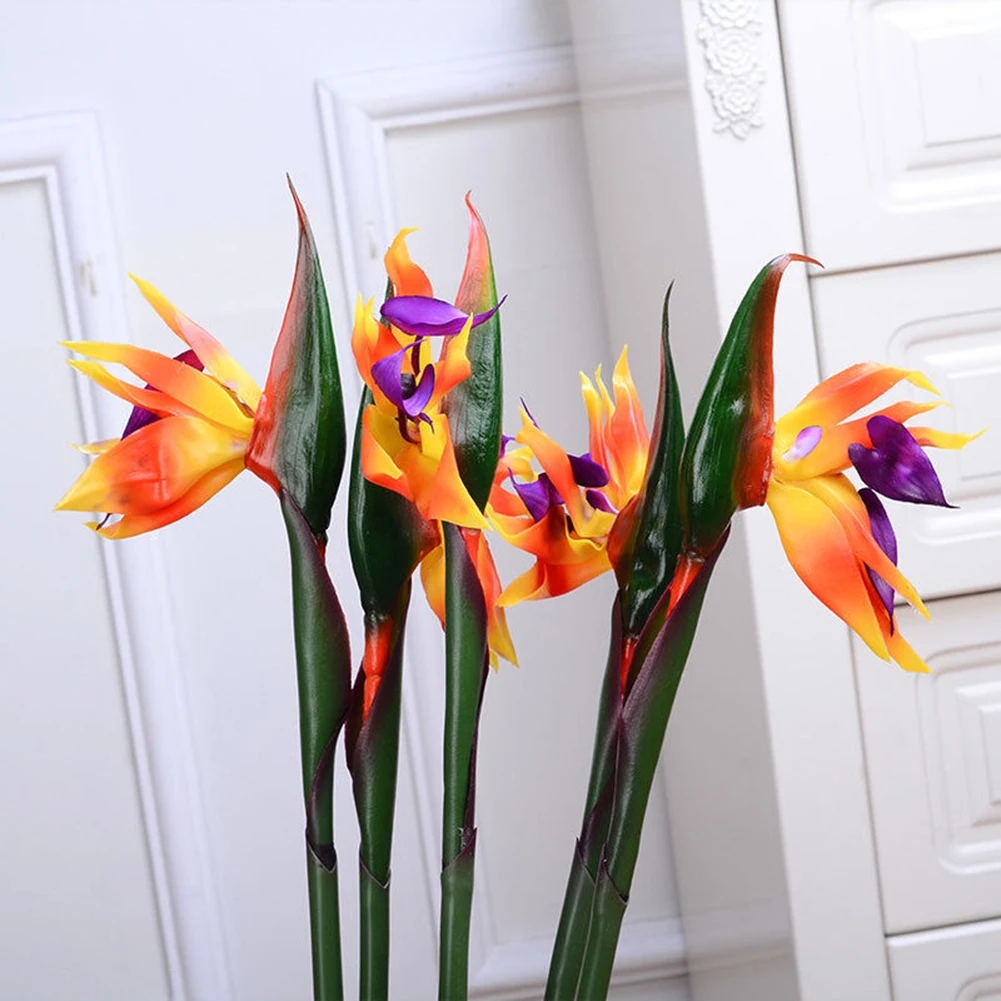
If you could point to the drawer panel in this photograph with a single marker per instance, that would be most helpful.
(933, 757)
(943, 318)
(950, 964)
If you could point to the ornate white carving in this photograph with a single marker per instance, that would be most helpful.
(729, 32)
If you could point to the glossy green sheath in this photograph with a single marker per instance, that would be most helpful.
(475, 406)
(387, 538)
(644, 560)
(299, 439)
(727, 456)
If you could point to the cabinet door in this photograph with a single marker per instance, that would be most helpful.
(897, 123)
(933, 754)
(944, 318)
(950, 964)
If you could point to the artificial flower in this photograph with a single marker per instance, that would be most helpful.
(201, 419)
(411, 358)
(565, 513)
(838, 539)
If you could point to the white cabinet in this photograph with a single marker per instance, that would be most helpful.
(897, 121)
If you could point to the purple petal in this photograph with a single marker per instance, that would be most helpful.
(400, 389)
(415, 403)
(587, 472)
(896, 465)
(806, 441)
(599, 501)
(422, 316)
(388, 376)
(140, 416)
(506, 440)
(524, 406)
(883, 534)
(539, 497)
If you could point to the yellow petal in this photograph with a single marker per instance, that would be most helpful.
(210, 352)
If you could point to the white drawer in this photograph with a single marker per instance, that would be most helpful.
(933, 757)
(943, 318)
(962, 963)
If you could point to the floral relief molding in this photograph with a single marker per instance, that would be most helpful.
(730, 34)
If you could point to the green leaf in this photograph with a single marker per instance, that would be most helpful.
(474, 407)
(298, 442)
(644, 560)
(727, 457)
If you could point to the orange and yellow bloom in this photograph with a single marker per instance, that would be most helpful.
(564, 514)
(201, 419)
(410, 359)
(838, 539)
(187, 436)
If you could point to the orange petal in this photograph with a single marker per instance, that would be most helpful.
(627, 429)
(206, 488)
(195, 390)
(159, 403)
(902, 652)
(210, 352)
(153, 468)
(407, 277)
(820, 553)
(498, 635)
(556, 464)
(841, 497)
(843, 394)
(550, 580)
(453, 366)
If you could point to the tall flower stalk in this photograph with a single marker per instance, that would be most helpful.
(430, 433)
(198, 421)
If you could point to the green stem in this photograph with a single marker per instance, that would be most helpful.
(373, 744)
(374, 970)
(324, 928)
(324, 685)
(575, 918)
(645, 715)
(466, 666)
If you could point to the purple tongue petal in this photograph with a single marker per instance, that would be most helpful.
(422, 316)
(896, 466)
(415, 403)
(587, 472)
(599, 501)
(538, 497)
(389, 377)
(140, 416)
(883, 534)
(524, 406)
(806, 441)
